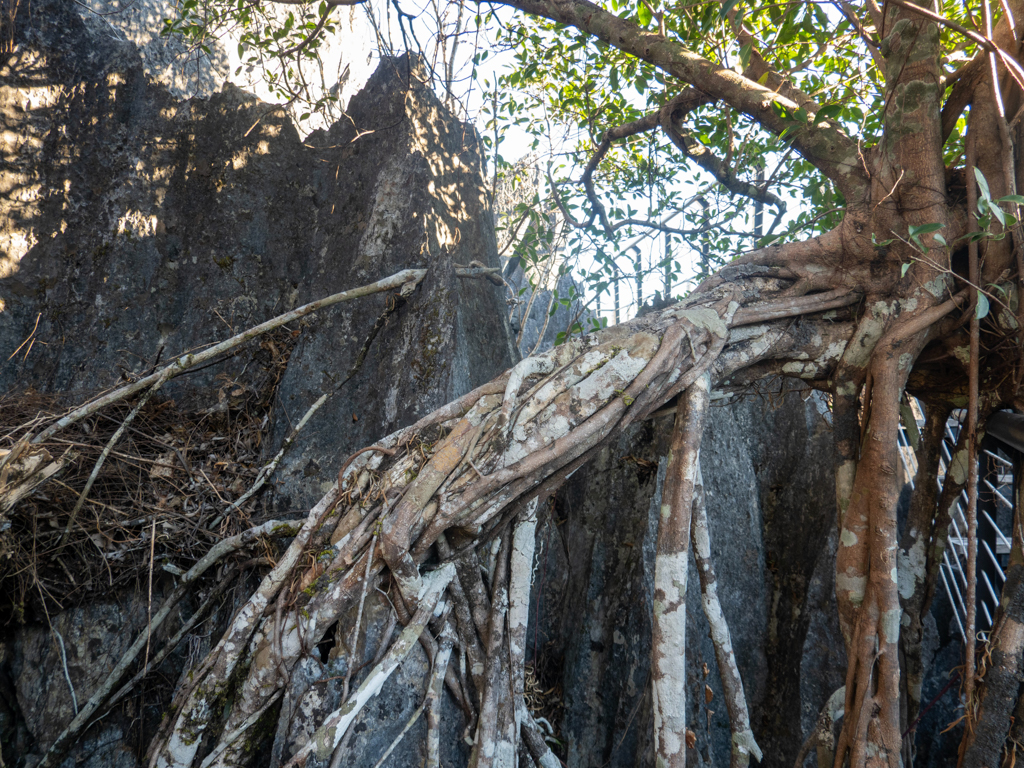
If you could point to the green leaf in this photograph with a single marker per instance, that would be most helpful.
(727, 6)
(828, 112)
(940, 240)
(982, 184)
(981, 309)
(998, 213)
(1018, 199)
(903, 270)
(924, 229)
(644, 14)
(745, 55)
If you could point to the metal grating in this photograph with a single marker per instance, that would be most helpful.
(995, 514)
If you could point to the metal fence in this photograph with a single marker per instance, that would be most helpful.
(995, 518)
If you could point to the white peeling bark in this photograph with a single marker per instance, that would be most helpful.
(670, 574)
(743, 743)
(520, 583)
(432, 703)
(496, 736)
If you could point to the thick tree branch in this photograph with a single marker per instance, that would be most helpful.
(824, 144)
(689, 99)
(706, 159)
(758, 70)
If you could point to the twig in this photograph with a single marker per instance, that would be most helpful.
(99, 464)
(149, 598)
(694, 149)
(64, 663)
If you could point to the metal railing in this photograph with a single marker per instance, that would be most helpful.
(995, 479)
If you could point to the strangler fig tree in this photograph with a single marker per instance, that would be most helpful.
(898, 128)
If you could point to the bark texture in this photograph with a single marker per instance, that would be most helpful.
(227, 216)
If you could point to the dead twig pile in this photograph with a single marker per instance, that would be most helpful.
(172, 471)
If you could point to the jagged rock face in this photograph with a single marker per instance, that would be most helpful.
(346, 57)
(134, 227)
(137, 227)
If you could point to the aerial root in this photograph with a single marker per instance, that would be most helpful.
(193, 708)
(327, 737)
(859, 685)
(822, 738)
(354, 638)
(533, 737)
(430, 647)
(743, 742)
(495, 739)
(470, 631)
(432, 702)
(456, 471)
(668, 657)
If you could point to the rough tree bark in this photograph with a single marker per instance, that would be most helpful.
(863, 322)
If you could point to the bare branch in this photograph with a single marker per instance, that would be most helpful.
(689, 99)
(707, 160)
